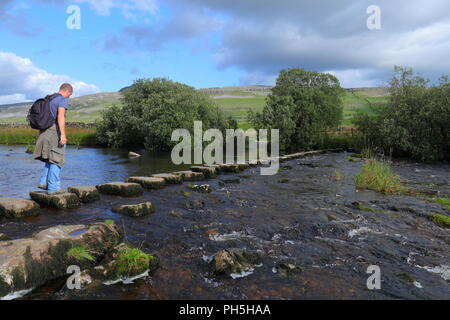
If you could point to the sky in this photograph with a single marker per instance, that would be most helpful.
(211, 43)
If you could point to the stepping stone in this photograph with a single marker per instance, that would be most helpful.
(243, 166)
(208, 172)
(58, 201)
(189, 175)
(169, 178)
(18, 208)
(148, 182)
(4, 237)
(123, 189)
(135, 210)
(229, 167)
(87, 194)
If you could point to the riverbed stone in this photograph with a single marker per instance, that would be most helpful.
(135, 210)
(208, 172)
(86, 194)
(169, 178)
(203, 188)
(133, 155)
(4, 237)
(243, 166)
(59, 201)
(233, 261)
(30, 262)
(189, 175)
(124, 189)
(18, 208)
(148, 182)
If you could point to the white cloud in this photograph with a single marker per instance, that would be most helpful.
(21, 79)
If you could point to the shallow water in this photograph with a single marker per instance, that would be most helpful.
(310, 221)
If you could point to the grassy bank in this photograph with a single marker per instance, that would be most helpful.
(27, 136)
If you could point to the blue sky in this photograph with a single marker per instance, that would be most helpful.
(208, 43)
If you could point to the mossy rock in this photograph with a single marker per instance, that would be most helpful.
(283, 180)
(18, 208)
(86, 194)
(59, 201)
(441, 220)
(204, 188)
(135, 210)
(148, 182)
(208, 172)
(123, 189)
(233, 261)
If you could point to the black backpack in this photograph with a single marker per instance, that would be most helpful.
(39, 116)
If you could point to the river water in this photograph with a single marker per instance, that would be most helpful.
(310, 221)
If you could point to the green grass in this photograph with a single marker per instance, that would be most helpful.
(28, 136)
(441, 220)
(442, 201)
(377, 175)
(79, 254)
(338, 175)
(361, 207)
(131, 262)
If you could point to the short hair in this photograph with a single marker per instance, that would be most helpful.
(66, 87)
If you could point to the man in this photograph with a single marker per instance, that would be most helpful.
(51, 144)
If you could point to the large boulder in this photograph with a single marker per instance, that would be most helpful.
(169, 178)
(189, 175)
(208, 172)
(234, 261)
(59, 201)
(135, 210)
(30, 262)
(18, 208)
(148, 182)
(86, 194)
(124, 189)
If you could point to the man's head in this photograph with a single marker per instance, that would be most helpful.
(66, 90)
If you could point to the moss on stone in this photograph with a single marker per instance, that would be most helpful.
(80, 253)
(283, 180)
(441, 220)
(407, 278)
(131, 262)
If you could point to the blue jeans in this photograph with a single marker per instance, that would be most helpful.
(50, 177)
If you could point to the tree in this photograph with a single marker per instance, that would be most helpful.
(152, 109)
(303, 105)
(416, 120)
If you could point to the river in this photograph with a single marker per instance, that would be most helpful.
(310, 221)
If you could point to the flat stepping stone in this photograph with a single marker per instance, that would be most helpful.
(148, 182)
(169, 178)
(189, 175)
(124, 189)
(59, 201)
(135, 210)
(229, 167)
(87, 194)
(208, 172)
(243, 166)
(18, 208)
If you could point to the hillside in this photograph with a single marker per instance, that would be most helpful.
(234, 101)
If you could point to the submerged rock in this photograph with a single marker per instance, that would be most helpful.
(86, 194)
(4, 237)
(134, 155)
(18, 208)
(204, 188)
(123, 189)
(58, 201)
(148, 182)
(234, 261)
(189, 175)
(169, 178)
(30, 262)
(135, 210)
(287, 269)
(208, 172)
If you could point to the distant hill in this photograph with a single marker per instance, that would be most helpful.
(234, 101)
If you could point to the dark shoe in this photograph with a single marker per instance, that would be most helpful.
(42, 186)
(56, 192)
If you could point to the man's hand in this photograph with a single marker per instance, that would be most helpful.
(63, 140)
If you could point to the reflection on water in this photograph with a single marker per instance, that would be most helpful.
(19, 173)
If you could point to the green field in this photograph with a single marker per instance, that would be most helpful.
(234, 101)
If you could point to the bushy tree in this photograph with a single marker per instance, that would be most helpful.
(303, 105)
(416, 120)
(152, 109)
